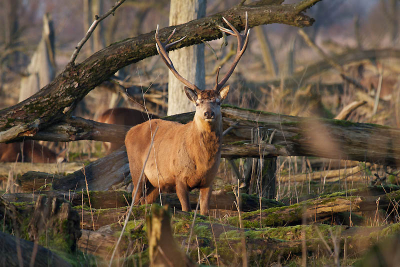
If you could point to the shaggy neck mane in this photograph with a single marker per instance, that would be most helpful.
(208, 138)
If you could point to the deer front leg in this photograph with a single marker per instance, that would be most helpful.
(183, 195)
(205, 194)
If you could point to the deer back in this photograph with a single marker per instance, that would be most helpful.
(29, 151)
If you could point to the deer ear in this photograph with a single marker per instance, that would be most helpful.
(191, 94)
(223, 92)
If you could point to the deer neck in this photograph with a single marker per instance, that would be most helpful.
(208, 128)
(207, 137)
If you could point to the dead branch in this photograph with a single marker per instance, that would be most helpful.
(91, 30)
(330, 60)
(342, 59)
(345, 113)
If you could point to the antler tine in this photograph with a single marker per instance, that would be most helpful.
(219, 68)
(242, 45)
(162, 51)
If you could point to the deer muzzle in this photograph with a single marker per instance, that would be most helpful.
(209, 115)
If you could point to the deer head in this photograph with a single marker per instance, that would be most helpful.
(207, 101)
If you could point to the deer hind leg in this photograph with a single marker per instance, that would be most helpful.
(151, 194)
(205, 195)
(140, 190)
(183, 195)
(135, 174)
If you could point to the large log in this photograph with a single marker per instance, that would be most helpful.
(291, 136)
(23, 167)
(326, 208)
(283, 136)
(99, 175)
(326, 138)
(163, 248)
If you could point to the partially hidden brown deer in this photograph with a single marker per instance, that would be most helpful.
(29, 151)
(183, 156)
(123, 116)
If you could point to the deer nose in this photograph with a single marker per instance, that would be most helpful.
(209, 114)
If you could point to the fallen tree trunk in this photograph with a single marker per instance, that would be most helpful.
(99, 175)
(328, 174)
(282, 136)
(296, 136)
(315, 210)
(23, 167)
(367, 201)
(291, 136)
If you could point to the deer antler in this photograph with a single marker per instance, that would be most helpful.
(162, 51)
(243, 40)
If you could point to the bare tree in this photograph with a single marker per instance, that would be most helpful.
(42, 70)
(87, 20)
(189, 61)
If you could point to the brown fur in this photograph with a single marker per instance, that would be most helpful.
(207, 94)
(28, 151)
(123, 116)
(184, 156)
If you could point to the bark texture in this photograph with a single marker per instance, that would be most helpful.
(188, 61)
(42, 68)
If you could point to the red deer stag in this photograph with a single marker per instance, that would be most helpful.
(123, 116)
(28, 151)
(184, 156)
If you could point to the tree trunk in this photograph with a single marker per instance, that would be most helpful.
(98, 34)
(188, 61)
(42, 70)
(163, 248)
(268, 52)
(260, 175)
(87, 21)
(10, 21)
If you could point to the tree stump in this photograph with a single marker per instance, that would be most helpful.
(54, 223)
(163, 249)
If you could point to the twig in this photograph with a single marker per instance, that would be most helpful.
(133, 198)
(191, 230)
(215, 241)
(304, 5)
(378, 93)
(165, 257)
(91, 30)
(323, 240)
(347, 110)
(87, 190)
(228, 56)
(311, 44)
